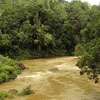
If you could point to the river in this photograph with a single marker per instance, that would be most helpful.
(54, 79)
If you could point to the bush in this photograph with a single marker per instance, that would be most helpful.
(79, 50)
(89, 63)
(8, 69)
(3, 95)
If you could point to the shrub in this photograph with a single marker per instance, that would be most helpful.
(79, 50)
(89, 63)
(8, 69)
(3, 95)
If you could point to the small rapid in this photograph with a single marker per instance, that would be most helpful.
(49, 72)
(36, 75)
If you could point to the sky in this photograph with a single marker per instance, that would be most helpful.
(92, 2)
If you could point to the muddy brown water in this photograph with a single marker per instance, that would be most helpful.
(53, 79)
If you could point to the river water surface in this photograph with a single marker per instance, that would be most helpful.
(54, 79)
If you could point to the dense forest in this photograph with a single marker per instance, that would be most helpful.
(43, 28)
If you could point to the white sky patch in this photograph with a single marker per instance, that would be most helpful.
(92, 2)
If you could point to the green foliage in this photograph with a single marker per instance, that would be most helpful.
(8, 69)
(35, 29)
(42, 28)
(3, 95)
(79, 50)
(90, 61)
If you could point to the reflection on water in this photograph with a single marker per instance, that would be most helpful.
(54, 79)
